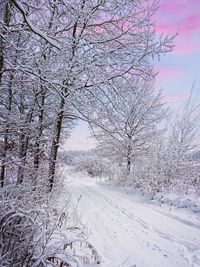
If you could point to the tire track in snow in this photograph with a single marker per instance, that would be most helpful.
(190, 251)
(147, 237)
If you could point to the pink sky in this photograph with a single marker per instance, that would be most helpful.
(179, 69)
(182, 17)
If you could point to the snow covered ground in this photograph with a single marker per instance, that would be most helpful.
(127, 231)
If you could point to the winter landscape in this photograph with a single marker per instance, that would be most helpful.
(99, 133)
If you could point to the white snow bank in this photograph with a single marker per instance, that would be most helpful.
(190, 202)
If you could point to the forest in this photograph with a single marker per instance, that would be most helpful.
(65, 61)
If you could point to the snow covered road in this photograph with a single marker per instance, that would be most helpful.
(127, 231)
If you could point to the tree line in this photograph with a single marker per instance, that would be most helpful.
(63, 60)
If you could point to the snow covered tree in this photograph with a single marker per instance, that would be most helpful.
(126, 124)
(178, 161)
(93, 43)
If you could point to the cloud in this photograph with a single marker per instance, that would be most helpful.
(175, 98)
(166, 72)
(182, 17)
(190, 24)
(176, 6)
(187, 26)
(185, 48)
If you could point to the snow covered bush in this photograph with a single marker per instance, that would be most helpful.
(92, 164)
(89, 162)
(36, 230)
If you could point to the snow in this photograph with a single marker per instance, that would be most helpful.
(33, 28)
(190, 202)
(128, 231)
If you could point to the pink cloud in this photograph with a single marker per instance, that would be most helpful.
(182, 17)
(179, 7)
(190, 24)
(175, 98)
(175, 5)
(185, 26)
(165, 73)
(185, 48)
(169, 5)
(165, 28)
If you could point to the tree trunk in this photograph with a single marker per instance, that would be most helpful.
(3, 162)
(59, 119)
(24, 141)
(129, 165)
(55, 143)
(7, 18)
(129, 160)
(36, 159)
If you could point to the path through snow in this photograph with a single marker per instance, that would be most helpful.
(128, 232)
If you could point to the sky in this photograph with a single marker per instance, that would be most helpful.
(180, 68)
(177, 71)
